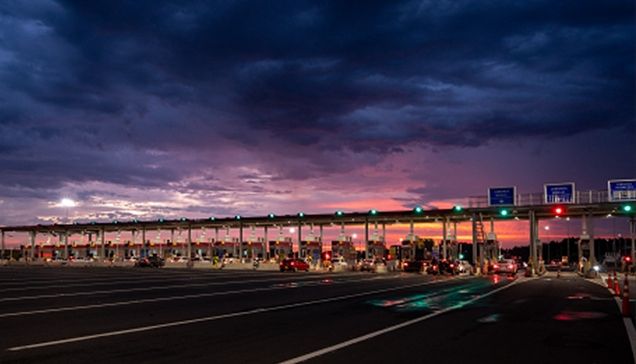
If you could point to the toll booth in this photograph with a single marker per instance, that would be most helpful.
(311, 249)
(412, 248)
(491, 247)
(131, 250)
(344, 248)
(281, 248)
(226, 248)
(377, 249)
(201, 249)
(254, 249)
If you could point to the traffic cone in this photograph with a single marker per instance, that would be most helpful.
(610, 282)
(626, 306)
(617, 288)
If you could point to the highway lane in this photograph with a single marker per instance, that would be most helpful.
(271, 322)
(548, 320)
(26, 305)
(83, 322)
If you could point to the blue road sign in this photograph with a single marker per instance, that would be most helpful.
(559, 192)
(621, 190)
(502, 196)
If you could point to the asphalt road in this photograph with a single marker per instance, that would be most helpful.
(109, 315)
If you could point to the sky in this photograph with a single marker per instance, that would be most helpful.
(214, 108)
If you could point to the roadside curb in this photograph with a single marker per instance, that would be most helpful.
(627, 321)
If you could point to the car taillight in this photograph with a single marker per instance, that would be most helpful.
(406, 264)
(509, 266)
(452, 265)
(496, 266)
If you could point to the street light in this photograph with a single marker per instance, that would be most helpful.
(67, 203)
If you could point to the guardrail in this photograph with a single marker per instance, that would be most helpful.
(538, 198)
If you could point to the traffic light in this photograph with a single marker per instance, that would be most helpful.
(237, 217)
(373, 212)
(161, 220)
(461, 256)
(301, 214)
(418, 210)
(627, 259)
(271, 215)
(628, 208)
(212, 218)
(558, 211)
(339, 213)
(457, 208)
(504, 212)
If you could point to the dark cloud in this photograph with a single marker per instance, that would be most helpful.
(150, 94)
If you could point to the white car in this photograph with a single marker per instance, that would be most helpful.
(339, 264)
(464, 267)
(505, 266)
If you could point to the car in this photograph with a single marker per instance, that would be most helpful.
(416, 266)
(338, 264)
(293, 264)
(153, 262)
(505, 266)
(448, 267)
(369, 265)
(464, 267)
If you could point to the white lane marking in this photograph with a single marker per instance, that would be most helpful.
(371, 335)
(217, 317)
(147, 300)
(171, 298)
(124, 279)
(142, 289)
(140, 280)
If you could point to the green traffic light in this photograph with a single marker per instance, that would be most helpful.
(461, 256)
(503, 212)
(237, 217)
(339, 213)
(301, 214)
(373, 212)
(627, 208)
(457, 208)
(271, 216)
(212, 218)
(418, 210)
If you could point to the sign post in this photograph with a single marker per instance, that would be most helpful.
(619, 190)
(502, 196)
(559, 193)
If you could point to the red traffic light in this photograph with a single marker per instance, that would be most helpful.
(558, 211)
(628, 259)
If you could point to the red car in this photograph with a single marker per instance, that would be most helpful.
(294, 265)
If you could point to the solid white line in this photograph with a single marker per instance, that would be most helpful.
(139, 289)
(141, 280)
(123, 279)
(170, 298)
(147, 300)
(217, 317)
(371, 335)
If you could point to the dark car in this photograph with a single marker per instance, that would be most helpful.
(293, 265)
(153, 262)
(448, 267)
(414, 266)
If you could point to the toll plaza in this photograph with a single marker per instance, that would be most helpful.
(557, 200)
